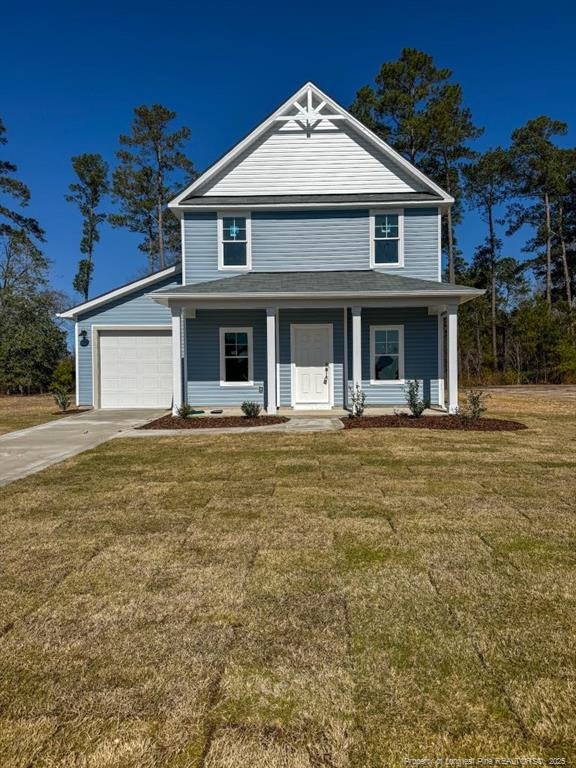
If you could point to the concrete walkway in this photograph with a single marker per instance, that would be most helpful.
(30, 450)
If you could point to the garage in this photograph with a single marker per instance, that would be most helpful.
(135, 368)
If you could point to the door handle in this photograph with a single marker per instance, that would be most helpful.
(326, 373)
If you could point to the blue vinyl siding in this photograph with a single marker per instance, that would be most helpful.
(132, 309)
(307, 317)
(420, 353)
(203, 355)
(312, 240)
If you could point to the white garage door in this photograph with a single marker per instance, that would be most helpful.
(135, 369)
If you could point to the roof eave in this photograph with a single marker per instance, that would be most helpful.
(116, 293)
(462, 296)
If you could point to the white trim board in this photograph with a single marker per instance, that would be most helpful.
(79, 309)
(286, 109)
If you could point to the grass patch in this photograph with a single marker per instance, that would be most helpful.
(338, 600)
(21, 412)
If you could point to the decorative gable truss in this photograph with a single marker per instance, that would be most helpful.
(310, 146)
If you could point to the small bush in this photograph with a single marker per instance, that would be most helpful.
(64, 375)
(415, 404)
(185, 411)
(358, 400)
(251, 410)
(62, 398)
(475, 404)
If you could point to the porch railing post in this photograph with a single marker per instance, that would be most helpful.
(271, 318)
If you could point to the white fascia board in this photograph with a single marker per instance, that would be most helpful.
(304, 206)
(460, 296)
(288, 104)
(79, 309)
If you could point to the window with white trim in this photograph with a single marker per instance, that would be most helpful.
(234, 241)
(387, 238)
(386, 353)
(236, 356)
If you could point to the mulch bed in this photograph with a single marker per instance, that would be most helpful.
(70, 412)
(211, 422)
(433, 422)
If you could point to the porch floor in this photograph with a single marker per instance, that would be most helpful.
(387, 410)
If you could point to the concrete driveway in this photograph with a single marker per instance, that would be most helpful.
(30, 450)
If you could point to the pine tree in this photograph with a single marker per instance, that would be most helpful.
(534, 158)
(487, 186)
(14, 222)
(151, 169)
(87, 193)
(420, 113)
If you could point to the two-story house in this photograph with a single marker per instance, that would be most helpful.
(311, 263)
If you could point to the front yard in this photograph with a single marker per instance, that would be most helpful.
(359, 598)
(21, 412)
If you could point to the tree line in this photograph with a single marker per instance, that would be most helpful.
(522, 330)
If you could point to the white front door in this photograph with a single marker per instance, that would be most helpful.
(312, 366)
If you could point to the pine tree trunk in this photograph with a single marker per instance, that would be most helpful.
(548, 250)
(161, 263)
(493, 288)
(565, 266)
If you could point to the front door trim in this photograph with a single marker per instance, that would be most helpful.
(293, 401)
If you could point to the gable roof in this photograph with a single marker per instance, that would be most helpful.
(317, 109)
(367, 283)
(116, 293)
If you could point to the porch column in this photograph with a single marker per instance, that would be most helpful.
(452, 351)
(356, 346)
(271, 317)
(441, 373)
(176, 359)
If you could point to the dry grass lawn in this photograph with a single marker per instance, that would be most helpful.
(352, 599)
(20, 412)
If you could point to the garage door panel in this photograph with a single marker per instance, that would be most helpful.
(135, 369)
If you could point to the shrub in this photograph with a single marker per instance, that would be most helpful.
(64, 375)
(251, 410)
(415, 404)
(475, 404)
(62, 398)
(358, 399)
(185, 411)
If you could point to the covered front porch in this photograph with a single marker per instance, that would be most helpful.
(306, 350)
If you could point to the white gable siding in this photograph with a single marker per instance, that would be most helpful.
(330, 159)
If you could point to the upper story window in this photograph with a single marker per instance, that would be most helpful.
(234, 241)
(386, 239)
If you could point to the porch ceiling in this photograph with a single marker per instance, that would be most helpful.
(349, 285)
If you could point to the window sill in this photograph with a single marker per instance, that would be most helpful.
(223, 268)
(386, 382)
(236, 383)
(399, 265)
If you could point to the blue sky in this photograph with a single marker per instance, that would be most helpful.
(73, 73)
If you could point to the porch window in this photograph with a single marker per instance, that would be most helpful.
(234, 241)
(236, 356)
(386, 353)
(387, 238)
